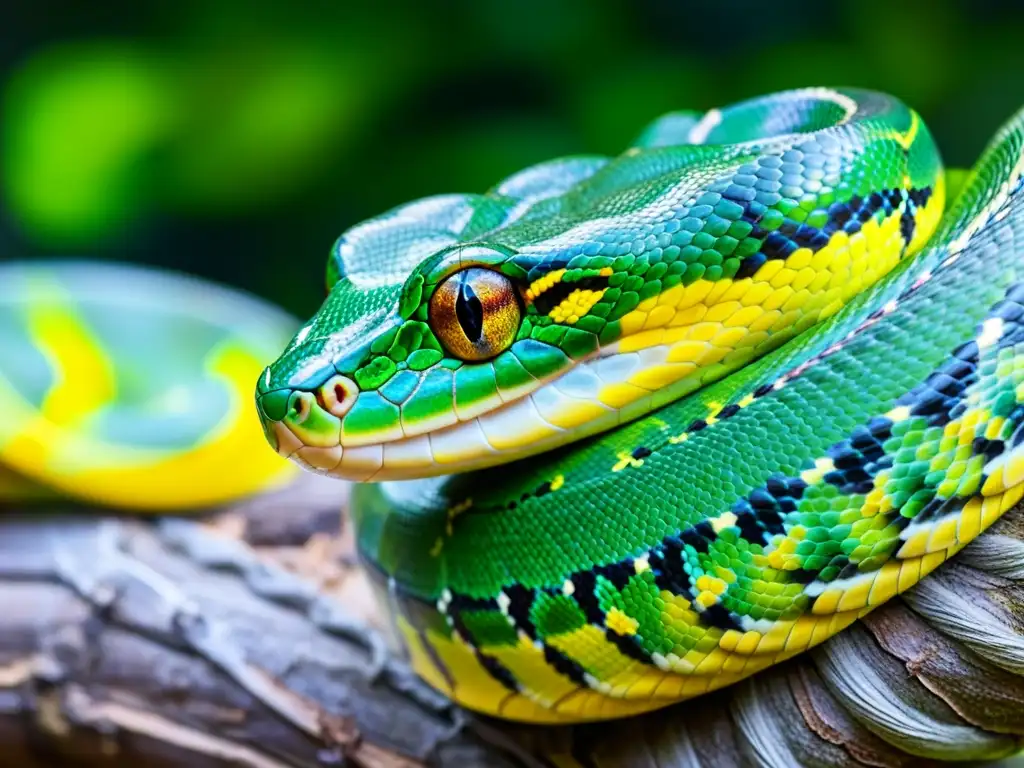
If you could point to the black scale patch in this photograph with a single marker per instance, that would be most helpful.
(668, 566)
(717, 615)
(498, 671)
(629, 646)
(564, 665)
(520, 603)
(849, 216)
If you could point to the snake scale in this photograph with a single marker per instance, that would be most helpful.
(630, 429)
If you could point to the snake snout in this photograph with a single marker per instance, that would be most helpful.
(273, 405)
(294, 417)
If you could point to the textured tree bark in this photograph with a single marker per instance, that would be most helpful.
(249, 638)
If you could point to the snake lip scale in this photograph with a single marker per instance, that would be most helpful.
(598, 366)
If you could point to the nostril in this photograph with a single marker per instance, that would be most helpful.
(337, 395)
(300, 407)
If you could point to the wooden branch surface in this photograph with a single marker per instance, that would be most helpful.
(250, 638)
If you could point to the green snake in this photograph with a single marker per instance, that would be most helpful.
(630, 429)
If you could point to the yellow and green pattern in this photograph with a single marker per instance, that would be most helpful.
(128, 387)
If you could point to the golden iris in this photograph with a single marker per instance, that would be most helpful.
(475, 313)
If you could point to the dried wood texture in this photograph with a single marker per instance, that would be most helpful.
(249, 638)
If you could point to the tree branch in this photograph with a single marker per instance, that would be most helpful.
(249, 638)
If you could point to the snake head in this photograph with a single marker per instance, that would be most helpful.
(435, 366)
(442, 348)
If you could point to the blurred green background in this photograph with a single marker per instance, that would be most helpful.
(238, 139)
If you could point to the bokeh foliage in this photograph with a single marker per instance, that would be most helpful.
(237, 139)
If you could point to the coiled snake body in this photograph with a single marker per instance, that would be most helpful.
(788, 494)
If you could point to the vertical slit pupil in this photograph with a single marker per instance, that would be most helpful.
(470, 312)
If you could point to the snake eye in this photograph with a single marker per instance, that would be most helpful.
(475, 313)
